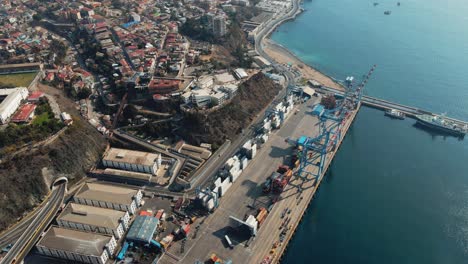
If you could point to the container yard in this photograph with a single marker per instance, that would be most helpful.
(267, 198)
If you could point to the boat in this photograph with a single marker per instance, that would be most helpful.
(440, 123)
(387, 12)
(393, 113)
(376, 4)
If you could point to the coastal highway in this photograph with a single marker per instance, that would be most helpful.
(265, 32)
(37, 226)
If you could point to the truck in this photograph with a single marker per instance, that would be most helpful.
(261, 216)
(285, 176)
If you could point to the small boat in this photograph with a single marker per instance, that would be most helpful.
(375, 4)
(387, 12)
(398, 4)
(393, 113)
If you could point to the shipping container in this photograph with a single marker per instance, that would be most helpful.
(261, 216)
(244, 163)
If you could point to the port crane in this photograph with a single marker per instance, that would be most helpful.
(313, 150)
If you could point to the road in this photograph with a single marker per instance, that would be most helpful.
(267, 29)
(11, 235)
(32, 233)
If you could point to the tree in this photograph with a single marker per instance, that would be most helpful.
(130, 112)
(84, 93)
(37, 17)
(328, 101)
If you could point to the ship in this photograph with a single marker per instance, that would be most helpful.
(440, 123)
(395, 114)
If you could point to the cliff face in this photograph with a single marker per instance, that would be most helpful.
(225, 123)
(25, 179)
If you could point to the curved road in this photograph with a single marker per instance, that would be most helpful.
(32, 233)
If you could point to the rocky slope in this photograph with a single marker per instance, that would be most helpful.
(25, 179)
(225, 123)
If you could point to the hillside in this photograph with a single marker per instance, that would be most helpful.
(225, 123)
(25, 179)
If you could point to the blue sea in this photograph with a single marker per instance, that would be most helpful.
(394, 193)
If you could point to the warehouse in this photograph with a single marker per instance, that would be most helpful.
(76, 245)
(132, 160)
(142, 229)
(94, 219)
(11, 102)
(108, 196)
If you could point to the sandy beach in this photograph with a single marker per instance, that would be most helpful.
(283, 56)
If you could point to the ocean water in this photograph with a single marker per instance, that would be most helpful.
(394, 193)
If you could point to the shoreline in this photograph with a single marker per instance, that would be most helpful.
(283, 55)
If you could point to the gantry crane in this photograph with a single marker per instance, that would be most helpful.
(313, 151)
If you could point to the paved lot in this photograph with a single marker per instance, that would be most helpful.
(247, 190)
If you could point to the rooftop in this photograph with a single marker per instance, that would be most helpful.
(90, 215)
(22, 115)
(74, 241)
(143, 228)
(106, 193)
(131, 156)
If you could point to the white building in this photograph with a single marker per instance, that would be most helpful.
(205, 82)
(240, 73)
(218, 98)
(201, 97)
(108, 196)
(13, 98)
(94, 219)
(132, 160)
(230, 90)
(77, 246)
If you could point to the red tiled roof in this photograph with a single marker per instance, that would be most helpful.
(34, 96)
(23, 113)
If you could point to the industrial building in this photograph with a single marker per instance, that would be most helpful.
(77, 245)
(94, 219)
(132, 160)
(108, 196)
(11, 102)
(142, 229)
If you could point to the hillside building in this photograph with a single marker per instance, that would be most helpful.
(132, 160)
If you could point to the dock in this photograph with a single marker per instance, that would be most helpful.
(246, 197)
(381, 104)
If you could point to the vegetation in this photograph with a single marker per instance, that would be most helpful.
(329, 102)
(59, 49)
(254, 95)
(25, 179)
(16, 79)
(44, 125)
(198, 29)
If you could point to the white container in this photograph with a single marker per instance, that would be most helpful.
(244, 162)
(210, 205)
(218, 182)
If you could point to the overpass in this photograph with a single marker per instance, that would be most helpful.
(381, 104)
(37, 226)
